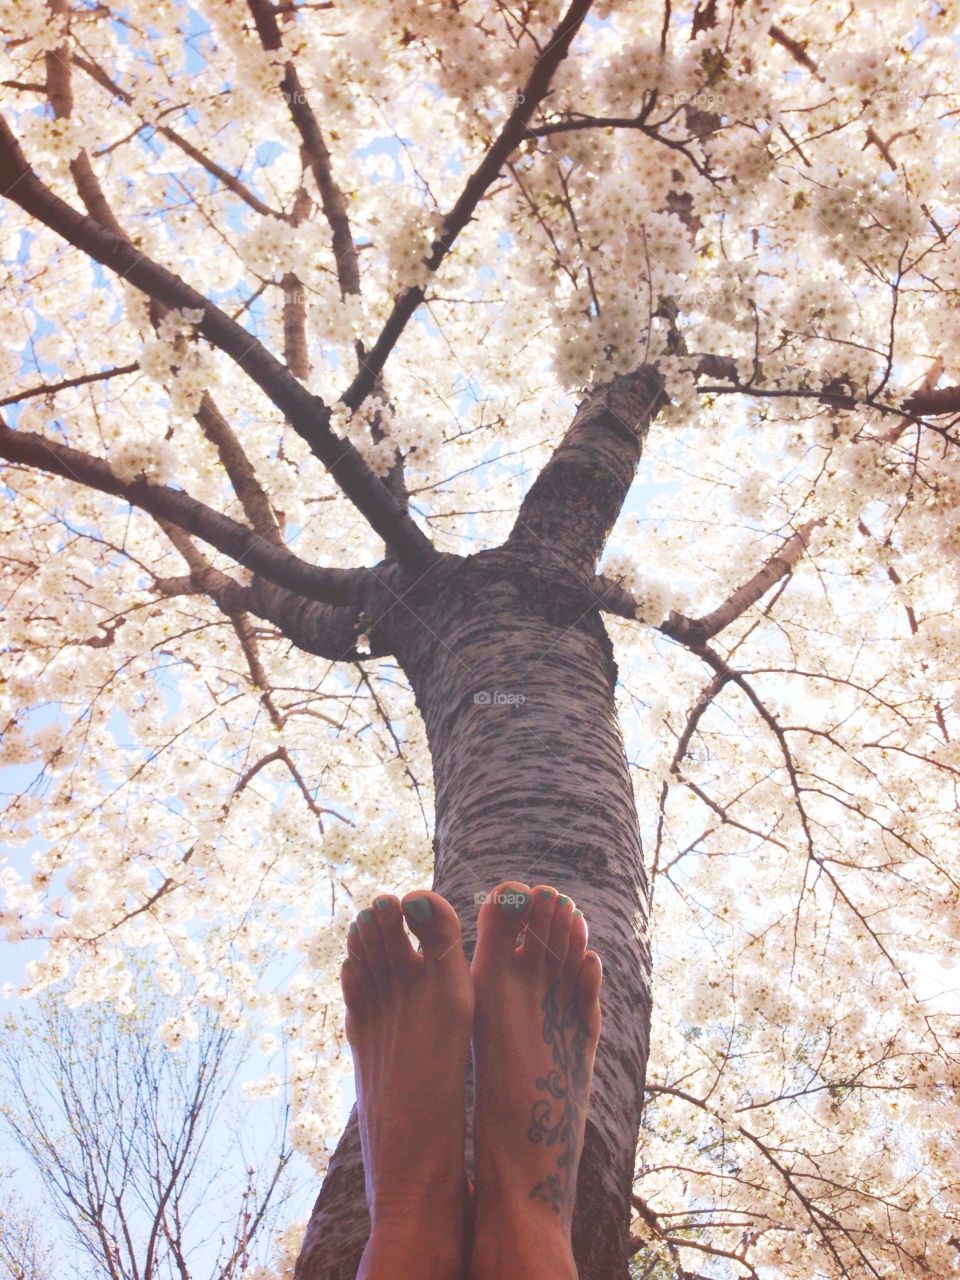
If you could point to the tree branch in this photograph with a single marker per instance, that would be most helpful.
(307, 413)
(330, 631)
(611, 597)
(314, 151)
(514, 130)
(333, 586)
(80, 380)
(573, 123)
(229, 180)
(930, 401)
(327, 630)
(777, 566)
(213, 424)
(302, 114)
(575, 500)
(253, 499)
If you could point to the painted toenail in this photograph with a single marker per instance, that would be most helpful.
(563, 901)
(366, 915)
(577, 911)
(353, 927)
(383, 904)
(418, 910)
(544, 893)
(513, 901)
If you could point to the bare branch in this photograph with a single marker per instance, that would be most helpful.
(79, 380)
(778, 565)
(933, 401)
(255, 503)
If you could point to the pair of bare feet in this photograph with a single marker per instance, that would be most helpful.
(532, 1010)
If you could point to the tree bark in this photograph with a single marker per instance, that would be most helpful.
(514, 676)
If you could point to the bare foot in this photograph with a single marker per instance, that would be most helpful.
(408, 1023)
(535, 1036)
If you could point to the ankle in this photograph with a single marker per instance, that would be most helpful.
(510, 1195)
(422, 1204)
(411, 1248)
(517, 1241)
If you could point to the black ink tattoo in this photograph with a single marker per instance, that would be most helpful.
(555, 1120)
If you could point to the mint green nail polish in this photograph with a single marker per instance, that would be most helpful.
(366, 915)
(577, 911)
(563, 901)
(513, 901)
(418, 909)
(383, 904)
(543, 893)
(353, 927)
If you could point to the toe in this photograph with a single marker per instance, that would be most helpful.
(560, 927)
(500, 920)
(352, 986)
(358, 959)
(588, 991)
(576, 946)
(433, 920)
(400, 955)
(373, 947)
(536, 936)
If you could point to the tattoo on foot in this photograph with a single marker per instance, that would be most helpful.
(556, 1120)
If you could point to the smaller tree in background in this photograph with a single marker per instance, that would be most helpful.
(143, 1153)
(24, 1254)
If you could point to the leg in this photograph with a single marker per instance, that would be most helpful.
(536, 1031)
(408, 1023)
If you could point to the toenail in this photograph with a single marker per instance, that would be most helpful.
(353, 927)
(418, 909)
(366, 915)
(544, 893)
(563, 901)
(514, 901)
(383, 904)
(577, 911)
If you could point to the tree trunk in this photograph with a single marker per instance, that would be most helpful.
(514, 676)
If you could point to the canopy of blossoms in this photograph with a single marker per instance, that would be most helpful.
(762, 199)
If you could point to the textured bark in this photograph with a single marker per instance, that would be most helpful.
(514, 676)
(253, 499)
(573, 503)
